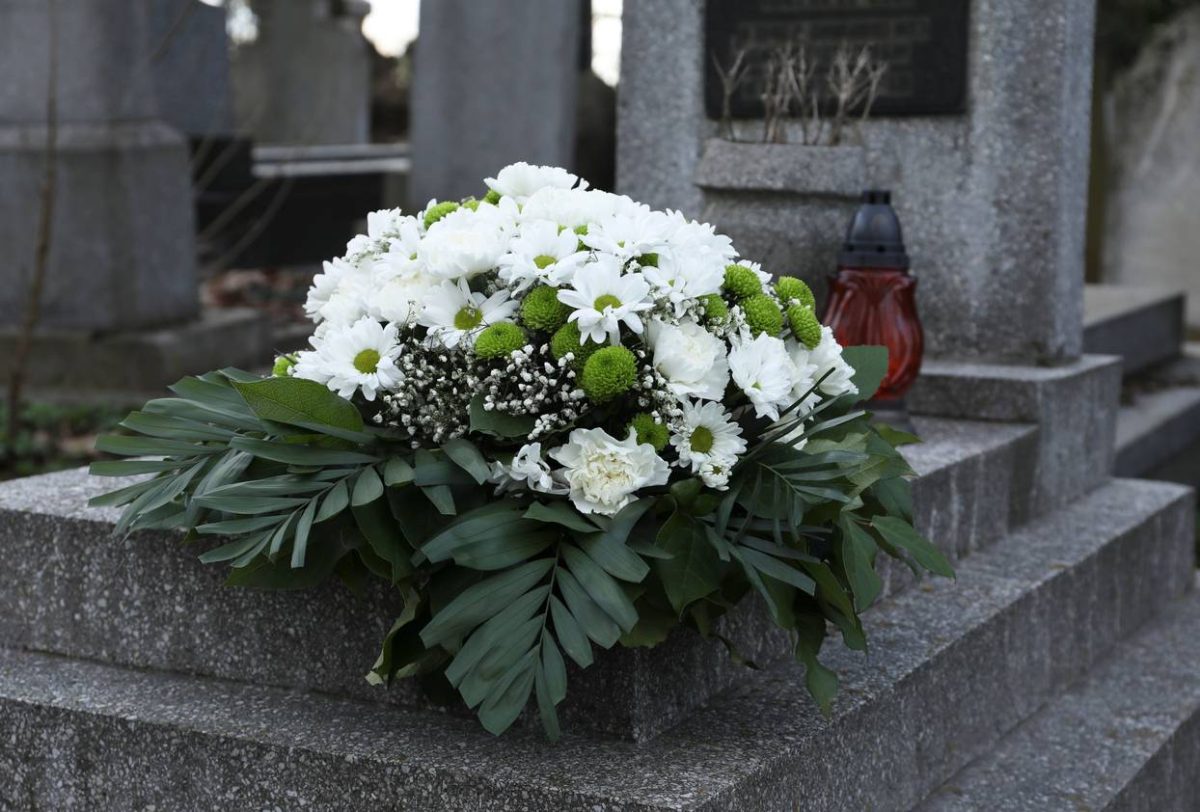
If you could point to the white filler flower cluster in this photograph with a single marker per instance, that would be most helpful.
(634, 343)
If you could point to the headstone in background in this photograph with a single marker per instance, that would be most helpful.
(494, 83)
(991, 191)
(1152, 234)
(122, 252)
(306, 78)
(189, 55)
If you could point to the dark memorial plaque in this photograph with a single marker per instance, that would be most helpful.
(923, 43)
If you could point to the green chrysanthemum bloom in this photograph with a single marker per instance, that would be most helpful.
(715, 309)
(648, 260)
(741, 281)
(283, 366)
(541, 310)
(763, 315)
(792, 290)
(470, 203)
(805, 325)
(499, 340)
(649, 431)
(568, 339)
(492, 197)
(438, 211)
(609, 372)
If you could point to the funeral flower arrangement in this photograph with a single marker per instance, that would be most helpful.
(552, 419)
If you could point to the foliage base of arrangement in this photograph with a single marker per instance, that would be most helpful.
(552, 419)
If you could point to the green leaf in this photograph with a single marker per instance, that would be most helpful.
(367, 487)
(300, 402)
(384, 667)
(249, 505)
(616, 558)
(870, 367)
(505, 704)
(335, 501)
(594, 621)
(375, 522)
(498, 424)
(820, 681)
(397, 471)
(900, 533)
(858, 555)
(600, 587)
(499, 632)
(560, 513)
(894, 436)
(134, 467)
(569, 633)
(478, 602)
(770, 566)
(303, 528)
(693, 570)
(467, 457)
(442, 498)
(127, 446)
(295, 454)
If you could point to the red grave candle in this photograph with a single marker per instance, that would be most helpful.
(872, 297)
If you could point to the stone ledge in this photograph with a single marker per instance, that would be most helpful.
(792, 168)
(1156, 428)
(73, 589)
(1142, 325)
(1127, 737)
(954, 667)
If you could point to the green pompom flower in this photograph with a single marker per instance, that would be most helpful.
(499, 340)
(649, 431)
(438, 211)
(763, 315)
(805, 325)
(794, 291)
(568, 339)
(715, 309)
(741, 281)
(283, 366)
(471, 203)
(492, 197)
(541, 310)
(609, 372)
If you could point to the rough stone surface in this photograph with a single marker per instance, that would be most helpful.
(306, 79)
(496, 83)
(953, 668)
(1153, 113)
(1142, 325)
(1155, 428)
(146, 602)
(1074, 407)
(145, 360)
(190, 53)
(977, 250)
(1126, 738)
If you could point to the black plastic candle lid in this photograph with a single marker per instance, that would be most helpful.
(874, 238)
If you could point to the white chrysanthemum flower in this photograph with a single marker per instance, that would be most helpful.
(630, 233)
(715, 474)
(684, 274)
(706, 433)
(527, 469)
(399, 297)
(763, 370)
(324, 285)
(355, 358)
(540, 252)
(571, 208)
(704, 238)
(603, 473)
(827, 357)
(385, 223)
(464, 243)
(452, 310)
(692, 359)
(603, 299)
(520, 180)
(348, 302)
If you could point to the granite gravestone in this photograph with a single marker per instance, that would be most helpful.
(992, 197)
(494, 83)
(189, 55)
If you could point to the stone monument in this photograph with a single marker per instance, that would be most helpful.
(189, 57)
(494, 83)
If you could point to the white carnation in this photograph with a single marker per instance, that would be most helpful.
(463, 244)
(520, 180)
(603, 473)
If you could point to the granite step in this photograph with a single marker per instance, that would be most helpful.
(1158, 426)
(69, 587)
(954, 666)
(1127, 737)
(1143, 325)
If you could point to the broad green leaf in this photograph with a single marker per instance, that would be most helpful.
(858, 554)
(499, 631)
(600, 587)
(569, 634)
(820, 681)
(367, 487)
(397, 471)
(479, 602)
(335, 501)
(381, 672)
(174, 428)
(560, 513)
(233, 527)
(901, 534)
(770, 566)
(467, 457)
(303, 528)
(300, 402)
(545, 700)
(249, 505)
(503, 707)
(614, 556)
(693, 570)
(375, 522)
(134, 467)
(894, 436)
(594, 621)
(127, 446)
(295, 454)
(498, 424)
(442, 498)
(870, 367)
(234, 549)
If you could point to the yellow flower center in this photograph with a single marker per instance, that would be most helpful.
(702, 439)
(367, 361)
(607, 300)
(468, 318)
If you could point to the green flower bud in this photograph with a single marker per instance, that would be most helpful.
(568, 339)
(648, 260)
(283, 366)
(741, 281)
(805, 325)
(541, 310)
(715, 309)
(609, 372)
(763, 315)
(794, 291)
(649, 431)
(499, 340)
(438, 211)
(470, 203)
(492, 197)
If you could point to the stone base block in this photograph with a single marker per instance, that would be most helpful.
(123, 250)
(1074, 407)
(1142, 325)
(143, 361)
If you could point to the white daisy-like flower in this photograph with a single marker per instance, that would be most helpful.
(360, 357)
(690, 358)
(540, 251)
(385, 223)
(706, 433)
(399, 296)
(603, 473)
(464, 244)
(603, 299)
(324, 285)
(452, 311)
(703, 237)
(630, 233)
(763, 370)
(715, 474)
(348, 302)
(527, 469)
(683, 274)
(827, 357)
(570, 208)
(520, 180)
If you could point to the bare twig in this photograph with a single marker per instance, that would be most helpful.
(730, 79)
(853, 83)
(33, 305)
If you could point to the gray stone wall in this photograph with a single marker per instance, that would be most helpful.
(993, 202)
(189, 52)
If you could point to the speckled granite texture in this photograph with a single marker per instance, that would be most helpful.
(954, 666)
(71, 588)
(1127, 737)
